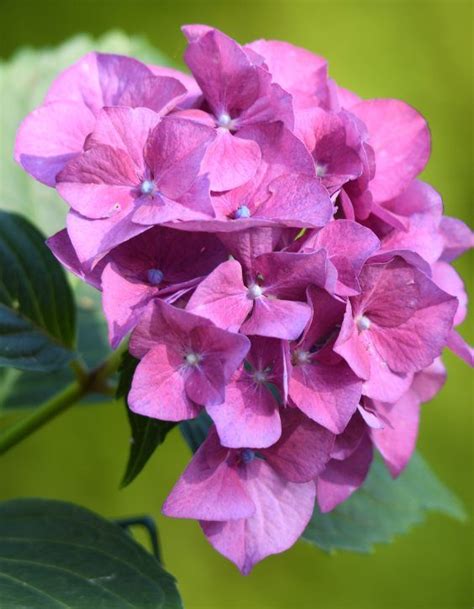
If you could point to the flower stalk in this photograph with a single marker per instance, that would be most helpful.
(87, 381)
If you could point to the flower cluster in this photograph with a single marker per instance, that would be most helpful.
(262, 234)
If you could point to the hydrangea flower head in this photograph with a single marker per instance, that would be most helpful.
(262, 236)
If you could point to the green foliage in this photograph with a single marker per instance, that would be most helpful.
(57, 554)
(19, 389)
(383, 508)
(146, 433)
(37, 315)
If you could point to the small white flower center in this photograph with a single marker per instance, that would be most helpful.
(260, 376)
(155, 276)
(254, 291)
(301, 357)
(321, 170)
(363, 323)
(242, 212)
(225, 121)
(147, 187)
(192, 359)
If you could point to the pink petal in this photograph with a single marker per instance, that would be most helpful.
(342, 478)
(230, 161)
(401, 140)
(249, 416)
(47, 138)
(158, 387)
(396, 441)
(303, 449)
(222, 297)
(210, 488)
(283, 511)
(277, 318)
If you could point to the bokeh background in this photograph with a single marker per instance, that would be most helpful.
(419, 51)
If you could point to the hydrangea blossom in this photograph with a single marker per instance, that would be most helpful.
(261, 237)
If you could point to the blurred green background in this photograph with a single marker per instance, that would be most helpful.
(421, 52)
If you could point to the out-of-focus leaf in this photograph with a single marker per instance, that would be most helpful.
(37, 314)
(20, 389)
(383, 508)
(57, 554)
(146, 433)
(24, 80)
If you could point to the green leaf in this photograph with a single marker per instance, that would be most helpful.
(383, 508)
(195, 431)
(55, 555)
(37, 315)
(20, 390)
(147, 433)
(24, 81)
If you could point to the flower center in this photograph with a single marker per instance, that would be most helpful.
(321, 169)
(192, 359)
(301, 357)
(147, 187)
(363, 323)
(155, 276)
(225, 121)
(247, 455)
(242, 212)
(260, 376)
(254, 291)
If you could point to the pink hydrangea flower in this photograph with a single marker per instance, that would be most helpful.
(263, 235)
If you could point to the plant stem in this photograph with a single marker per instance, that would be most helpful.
(22, 429)
(93, 381)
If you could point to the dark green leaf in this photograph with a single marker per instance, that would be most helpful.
(56, 554)
(37, 315)
(20, 389)
(147, 433)
(195, 431)
(383, 508)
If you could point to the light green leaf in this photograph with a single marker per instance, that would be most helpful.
(383, 508)
(59, 555)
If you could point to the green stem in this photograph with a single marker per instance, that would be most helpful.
(57, 404)
(94, 381)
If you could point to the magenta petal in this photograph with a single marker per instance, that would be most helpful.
(277, 318)
(283, 511)
(303, 449)
(123, 302)
(222, 297)
(209, 488)
(158, 387)
(401, 140)
(328, 394)
(230, 161)
(459, 347)
(458, 238)
(396, 441)
(249, 416)
(61, 246)
(429, 381)
(47, 138)
(341, 478)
